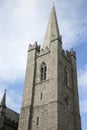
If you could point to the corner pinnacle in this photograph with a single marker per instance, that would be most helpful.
(3, 101)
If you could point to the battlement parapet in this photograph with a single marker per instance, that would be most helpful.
(43, 52)
(67, 54)
(34, 46)
(72, 53)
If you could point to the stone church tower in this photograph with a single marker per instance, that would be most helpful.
(50, 99)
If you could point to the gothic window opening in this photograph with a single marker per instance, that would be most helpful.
(65, 76)
(38, 121)
(41, 96)
(43, 71)
(66, 101)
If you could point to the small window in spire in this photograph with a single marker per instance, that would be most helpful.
(43, 71)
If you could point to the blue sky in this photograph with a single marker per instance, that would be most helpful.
(23, 22)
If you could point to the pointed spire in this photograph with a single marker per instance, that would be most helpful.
(52, 32)
(54, 3)
(3, 101)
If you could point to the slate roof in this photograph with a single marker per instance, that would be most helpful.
(12, 115)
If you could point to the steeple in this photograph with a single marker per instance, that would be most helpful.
(3, 101)
(52, 32)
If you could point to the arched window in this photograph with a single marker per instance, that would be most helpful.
(43, 71)
(65, 76)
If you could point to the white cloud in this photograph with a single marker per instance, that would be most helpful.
(82, 77)
(25, 21)
(2, 89)
(12, 63)
(72, 22)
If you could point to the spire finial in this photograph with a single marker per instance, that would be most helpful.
(5, 90)
(3, 101)
(54, 3)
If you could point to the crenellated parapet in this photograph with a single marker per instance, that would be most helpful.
(34, 46)
(68, 54)
(73, 53)
(43, 51)
(40, 51)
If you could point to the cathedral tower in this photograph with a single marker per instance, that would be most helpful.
(50, 99)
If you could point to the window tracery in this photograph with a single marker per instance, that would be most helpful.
(43, 71)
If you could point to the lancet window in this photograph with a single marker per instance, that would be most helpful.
(43, 70)
(65, 76)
